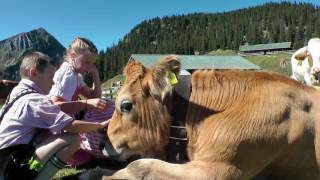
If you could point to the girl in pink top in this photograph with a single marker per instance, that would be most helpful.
(68, 85)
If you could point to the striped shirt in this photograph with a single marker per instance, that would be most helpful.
(28, 114)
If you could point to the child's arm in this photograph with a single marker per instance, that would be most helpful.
(82, 127)
(96, 104)
(95, 91)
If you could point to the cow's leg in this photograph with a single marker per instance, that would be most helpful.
(157, 169)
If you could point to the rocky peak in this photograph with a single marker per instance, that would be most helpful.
(13, 48)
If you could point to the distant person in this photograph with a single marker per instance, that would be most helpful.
(31, 122)
(68, 84)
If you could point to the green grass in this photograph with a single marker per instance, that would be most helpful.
(271, 62)
(220, 52)
(2, 101)
(116, 78)
(66, 172)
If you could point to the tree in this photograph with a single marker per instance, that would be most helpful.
(291, 33)
(100, 64)
(298, 41)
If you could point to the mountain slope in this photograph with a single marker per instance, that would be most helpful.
(13, 48)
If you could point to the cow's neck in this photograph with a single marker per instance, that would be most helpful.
(178, 104)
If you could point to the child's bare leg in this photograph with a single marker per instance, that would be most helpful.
(64, 146)
(54, 152)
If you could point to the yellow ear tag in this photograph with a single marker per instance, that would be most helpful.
(173, 78)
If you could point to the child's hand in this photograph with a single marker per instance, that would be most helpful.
(104, 124)
(97, 104)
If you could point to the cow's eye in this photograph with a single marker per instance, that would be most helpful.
(125, 106)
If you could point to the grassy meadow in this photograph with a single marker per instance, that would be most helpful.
(116, 78)
(271, 62)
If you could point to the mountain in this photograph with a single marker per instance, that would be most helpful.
(206, 32)
(13, 48)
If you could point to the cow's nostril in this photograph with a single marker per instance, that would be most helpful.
(316, 76)
(101, 145)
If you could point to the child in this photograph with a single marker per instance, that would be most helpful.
(27, 114)
(68, 85)
(68, 80)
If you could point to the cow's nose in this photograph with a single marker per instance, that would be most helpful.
(315, 70)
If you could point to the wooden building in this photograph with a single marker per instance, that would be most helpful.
(270, 48)
(189, 63)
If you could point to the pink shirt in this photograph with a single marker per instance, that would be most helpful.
(28, 114)
(67, 83)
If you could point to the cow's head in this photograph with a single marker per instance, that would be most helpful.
(314, 51)
(140, 123)
(5, 88)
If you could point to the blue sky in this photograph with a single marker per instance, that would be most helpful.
(103, 21)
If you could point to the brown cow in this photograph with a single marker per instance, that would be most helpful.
(5, 88)
(240, 125)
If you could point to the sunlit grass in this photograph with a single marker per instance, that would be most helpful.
(116, 78)
(271, 62)
(66, 172)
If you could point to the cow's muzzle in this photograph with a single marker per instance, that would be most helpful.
(315, 73)
(108, 150)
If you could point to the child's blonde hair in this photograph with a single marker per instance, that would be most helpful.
(81, 45)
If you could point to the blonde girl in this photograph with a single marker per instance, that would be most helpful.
(68, 85)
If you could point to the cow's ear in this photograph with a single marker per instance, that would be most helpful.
(302, 56)
(164, 76)
(133, 70)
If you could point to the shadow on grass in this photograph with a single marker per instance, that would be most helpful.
(98, 168)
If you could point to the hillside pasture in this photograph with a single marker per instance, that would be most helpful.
(271, 62)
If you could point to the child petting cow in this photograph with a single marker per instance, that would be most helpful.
(68, 84)
(34, 132)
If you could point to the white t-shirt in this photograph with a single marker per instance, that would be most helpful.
(66, 83)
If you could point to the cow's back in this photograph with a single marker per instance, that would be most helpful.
(262, 122)
(299, 158)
